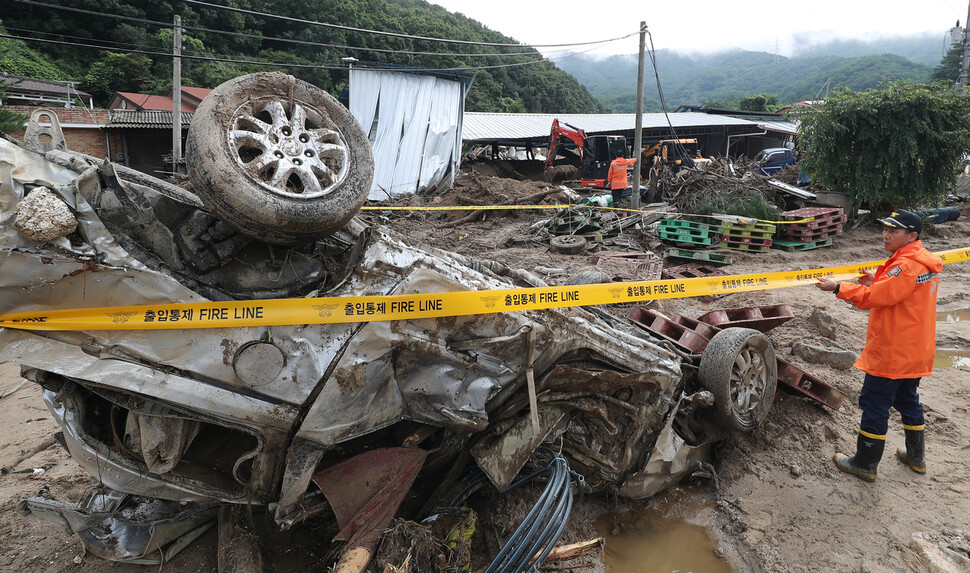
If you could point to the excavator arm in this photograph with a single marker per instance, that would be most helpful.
(558, 135)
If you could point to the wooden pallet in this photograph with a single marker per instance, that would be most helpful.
(685, 238)
(811, 235)
(681, 224)
(762, 241)
(746, 247)
(706, 257)
(824, 217)
(750, 234)
(730, 228)
(800, 246)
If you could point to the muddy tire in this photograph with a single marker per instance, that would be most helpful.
(739, 368)
(568, 244)
(278, 159)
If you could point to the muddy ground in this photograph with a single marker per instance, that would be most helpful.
(783, 506)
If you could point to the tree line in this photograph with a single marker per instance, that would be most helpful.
(724, 79)
(538, 87)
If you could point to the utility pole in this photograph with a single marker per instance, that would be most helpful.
(177, 96)
(638, 136)
(964, 78)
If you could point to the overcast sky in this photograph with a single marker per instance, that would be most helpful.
(710, 25)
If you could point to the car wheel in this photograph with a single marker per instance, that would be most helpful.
(568, 244)
(739, 368)
(278, 159)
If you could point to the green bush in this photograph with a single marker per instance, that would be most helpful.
(897, 146)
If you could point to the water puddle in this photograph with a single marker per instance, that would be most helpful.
(645, 542)
(949, 358)
(955, 315)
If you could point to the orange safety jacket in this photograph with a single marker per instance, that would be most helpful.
(617, 174)
(901, 338)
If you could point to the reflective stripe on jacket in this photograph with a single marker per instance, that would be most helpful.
(617, 174)
(901, 338)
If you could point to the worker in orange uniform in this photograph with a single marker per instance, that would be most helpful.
(619, 186)
(900, 343)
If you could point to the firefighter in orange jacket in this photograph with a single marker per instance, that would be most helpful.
(900, 343)
(617, 176)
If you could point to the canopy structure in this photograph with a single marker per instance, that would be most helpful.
(413, 119)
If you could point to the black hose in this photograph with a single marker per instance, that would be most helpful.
(546, 521)
(551, 541)
(544, 524)
(522, 543)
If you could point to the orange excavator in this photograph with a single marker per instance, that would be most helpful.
(596, 152)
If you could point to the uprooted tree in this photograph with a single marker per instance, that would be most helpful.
(896, 146)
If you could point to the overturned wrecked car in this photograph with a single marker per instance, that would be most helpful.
(180, 424)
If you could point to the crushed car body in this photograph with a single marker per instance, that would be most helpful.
(250, 415)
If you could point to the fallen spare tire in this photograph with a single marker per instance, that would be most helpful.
(568, 244)
(278, 159)
(739, 368)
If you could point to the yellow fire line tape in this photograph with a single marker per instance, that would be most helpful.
(327, 310)
(565, 206)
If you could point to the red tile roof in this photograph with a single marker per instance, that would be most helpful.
(198, 93)
(144, 102)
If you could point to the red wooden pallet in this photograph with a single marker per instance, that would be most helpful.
(810, 235)
(761, 318)
(796, 380)
(683, 332)
(824, 216)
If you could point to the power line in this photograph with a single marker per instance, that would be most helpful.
(358, 48)
(76, 37)
(269, 38)
(166, 54)
(93, 13)
(290, 65)
(397, 35)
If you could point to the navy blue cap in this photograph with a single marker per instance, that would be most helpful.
(903, 220)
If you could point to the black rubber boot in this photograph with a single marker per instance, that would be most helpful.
(913, 455)
(863, 464)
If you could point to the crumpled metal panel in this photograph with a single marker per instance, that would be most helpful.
(17, 168)
(435, 380)
(121, 527)
(502, 456)
(117, 471)
(444, 372)
(70, 361)
(671, 460)
(20, 169)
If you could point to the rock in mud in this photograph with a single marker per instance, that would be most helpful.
(43, 216)
(588, 278)
(824, 322)
(837, 358)
(946, 552)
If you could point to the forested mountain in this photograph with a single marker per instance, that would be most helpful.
(539, 87)
(726, 77)
(925, 48)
